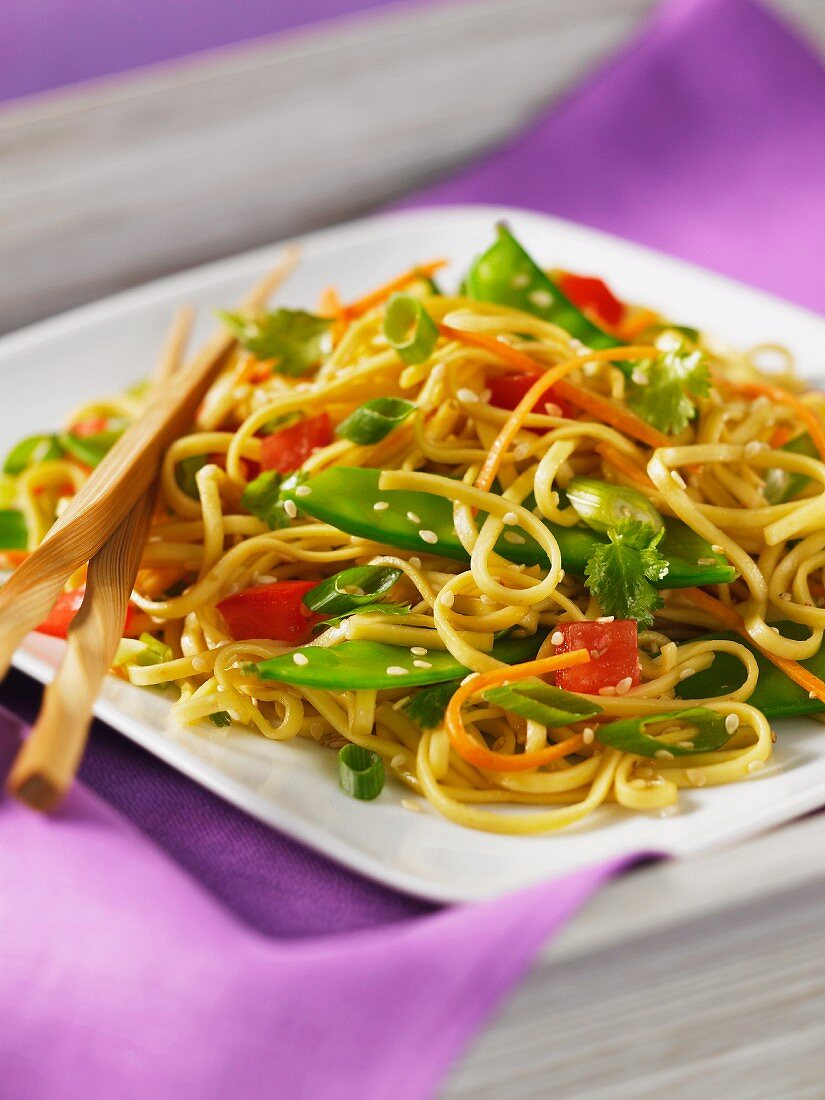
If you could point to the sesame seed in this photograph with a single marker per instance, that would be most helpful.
(234, 715)
(811, 694)
(639, 376)
(786, 596)
(509, 518)
(521, 451)
(413, 518)
(397, 761)
(520, 280)
(663, 754)
(624, 685)
(300, 659)
(448, 599)
(428, 536)
(303, 491)
(380, 506)
(552, 409)
(605, 618)
(415, 563)
(541, 298)
(706, 561)
(423, 664)
(753, 448)
(677, 477)
(686, 673)
(732, 723)
(557, 637)
(467, 396)
(397, 670)
(588, 735)
(756, 765)
(717, 549)
(607, 691)
(418, 651)
(413, 807)
(685, 744)
(199, 664)
(696, 777)
(291, 508)
(514, 538)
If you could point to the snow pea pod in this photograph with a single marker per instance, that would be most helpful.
(349, 498)
(776, 694)
(13, 531)
(507, 275)
(378, 665)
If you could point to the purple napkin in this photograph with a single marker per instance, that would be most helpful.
(223, 958)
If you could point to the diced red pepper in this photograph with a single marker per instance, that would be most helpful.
(506, 390)
(594, 296)
(275, 611)
(614, 655)
(288, 449)
(67, 605)
(93, 426)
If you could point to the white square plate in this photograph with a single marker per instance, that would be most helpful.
(49, 368)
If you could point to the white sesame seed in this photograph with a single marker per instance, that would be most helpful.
(514, 538)
(448, 599)
(303, 491)
(706, 561)
(786, 596)
(380, 506)
(199, 664)
(696, 777)
(811, 694)
(300, 659)
(467, 396)
(717, 549)
(509, 518)
(520, 280)
(753, 448)
(397, 670)
(624, 686)
(541, 298)
(605, 618)
(756, 765)
(423, 664)
(732, 723)
(398, 760)
(685, 744)
(639, 376)
(415, 563)
(413, 807)
(677, 477)
(552, 409)
(686, 673)
(521, 451)
(588, 735)
(607, 691)
(663, 754)
(557, 637)
(234, 715)
(428, 536)
(413, 518)
(290, 508)
(418, 651)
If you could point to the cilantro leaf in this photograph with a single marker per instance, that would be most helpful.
(368, 609)
(427, 707)
(293, 337)
(619, 573)
(261, 497)
(664, 397)
(220, 718)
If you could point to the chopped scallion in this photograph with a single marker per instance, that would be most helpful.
(409, 328)
(351, 589)
(360, 772)
(374, 420)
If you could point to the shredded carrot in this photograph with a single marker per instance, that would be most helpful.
(781, 434)
(525, 364)
(624, 465)
(640, 319)
(782, 397)
(733, 621)
(551, 378)
(482, 757)
(608, 412)
(330, 305)
(381, 293)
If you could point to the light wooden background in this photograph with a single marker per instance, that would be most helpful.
(681, 980)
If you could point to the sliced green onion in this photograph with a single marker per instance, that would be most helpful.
(154, 652)
(262, 497)
(36, 448)
(409, 328)
(360, 772)
(542, 703)
(374, 420)
(782, 485)
(628, 733)
(13, 532)
(89, 449)
(220, 718)
(185, 474)
(604, 506)
(127, 652)
(351, 589)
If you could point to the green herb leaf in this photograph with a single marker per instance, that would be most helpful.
(220, 718)
(671, 380)
(374, 420)
(185, 474)
(628, 733)
(540, 702)
(360, 772)
(621, 573)
(153, 653)
(409, 328)
(13, 530)
(426, 708)
(262, 497)
(351, 589)
(36, 448)
(603, 505)
(370, 609)
(293, 337)
(90, 449)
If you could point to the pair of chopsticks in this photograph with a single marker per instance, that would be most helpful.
(106, 525)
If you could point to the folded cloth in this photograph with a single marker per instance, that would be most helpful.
(144, 930)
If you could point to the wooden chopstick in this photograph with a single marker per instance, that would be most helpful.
(114, 488)
(50, 756)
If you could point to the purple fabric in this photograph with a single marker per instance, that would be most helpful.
(48, 43)
(154, 941)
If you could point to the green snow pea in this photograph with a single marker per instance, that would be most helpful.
(13, 532)
(507, 275)
(346, 497)
(776, 694)
(782, 485)
(361, 664)
(89, 449)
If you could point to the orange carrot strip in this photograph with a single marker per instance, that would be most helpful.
(608, 412)
(381, 293)
(482, 757)
(636, 323)
(551, 378)
(625, 465)
(782, 397)
(330, 305)
(733, 621)
(523, 363)
(781, 434)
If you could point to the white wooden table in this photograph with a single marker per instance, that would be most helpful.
(679, 980)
